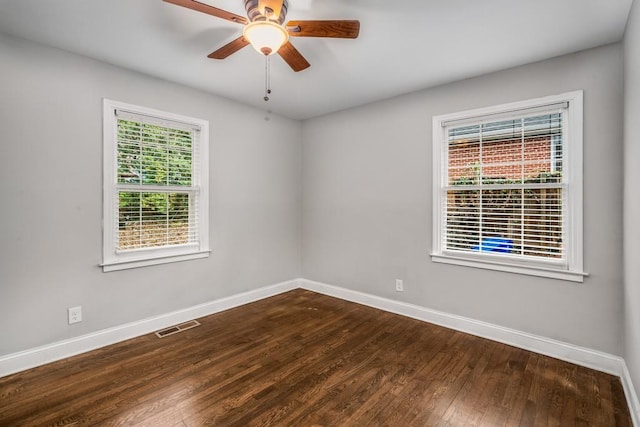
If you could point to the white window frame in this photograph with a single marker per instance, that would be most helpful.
(112, 259)
(572, 268)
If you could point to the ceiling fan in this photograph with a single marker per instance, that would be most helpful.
(265, 31)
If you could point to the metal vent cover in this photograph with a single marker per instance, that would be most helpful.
(177, 328)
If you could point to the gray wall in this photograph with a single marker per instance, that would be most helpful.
(366, 209)
(367, 190)
(51, 192)
(631, 199)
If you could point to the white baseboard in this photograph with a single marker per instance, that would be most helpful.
(582, 356)
(31, 358)
(632, 396)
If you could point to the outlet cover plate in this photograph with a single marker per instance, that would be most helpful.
(75, 315)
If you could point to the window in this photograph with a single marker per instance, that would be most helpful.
(155, 187)
(508, 187)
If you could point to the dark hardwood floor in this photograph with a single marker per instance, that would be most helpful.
(304, 359)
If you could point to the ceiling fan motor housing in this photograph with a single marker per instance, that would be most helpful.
(254, 15)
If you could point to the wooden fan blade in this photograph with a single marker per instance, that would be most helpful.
(214, 11)
(274, 5)
(292, 57)
(335, 29)
(229, 48)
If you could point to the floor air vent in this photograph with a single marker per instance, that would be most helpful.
(178, 328)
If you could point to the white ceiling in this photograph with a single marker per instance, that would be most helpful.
(404, 45)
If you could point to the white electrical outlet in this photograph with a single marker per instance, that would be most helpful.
(399, 285)
(75, 314)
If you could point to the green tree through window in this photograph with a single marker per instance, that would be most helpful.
(159, 158)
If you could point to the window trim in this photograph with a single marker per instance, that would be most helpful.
(572, 163)
(112, 259)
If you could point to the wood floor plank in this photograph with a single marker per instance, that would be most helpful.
(304, 359)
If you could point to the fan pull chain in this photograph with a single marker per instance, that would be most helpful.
(267, 77)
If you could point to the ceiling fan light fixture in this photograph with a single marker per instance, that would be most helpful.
(266, 37)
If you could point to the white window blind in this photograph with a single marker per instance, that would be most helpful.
(505, 187)
(506, 193)
(155, 192)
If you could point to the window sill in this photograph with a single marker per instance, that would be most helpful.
(135, 263)
(573, 276)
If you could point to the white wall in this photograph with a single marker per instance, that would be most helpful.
(632, 195)
(51, 192)
(367, 204)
